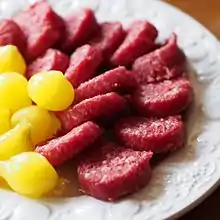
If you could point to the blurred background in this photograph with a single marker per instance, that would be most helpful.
(205, 11)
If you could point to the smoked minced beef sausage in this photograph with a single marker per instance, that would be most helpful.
(110, 172)
(167, 62)
(63, 148)
(151, 134)
(80, 25)
(83, 64)
(111, 81)
(11, 33)
(131, 93)
(139, 40)
(98, 107)
(108, 38)
(52, 59)
(42, 28)
(169, 97)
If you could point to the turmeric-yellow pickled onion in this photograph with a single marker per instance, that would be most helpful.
(29, 174)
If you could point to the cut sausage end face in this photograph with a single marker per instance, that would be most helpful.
(138, 41)
(98, 107)
(163, 99)
(112, 171)
(165, 63)
(83, 64)
(41, 26)
(11, 33)
(68, 146)
(151, 134)
(52, 59)
(114, 80)
(80, 26)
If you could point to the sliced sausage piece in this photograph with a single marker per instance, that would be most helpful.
(83, 64)
(108, 38)
(11, 33)
(139, 40)
(167, 62)
(51, 60)
(98, 107)
(151, 134)
(63, 148)
(110, 172)
(42, 28)
(80, 25)
(162, 99)
(111, 81)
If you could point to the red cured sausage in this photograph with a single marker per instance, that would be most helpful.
(51, 60)
(111, 171)
(108, 38)
(169, 97)
(11, 33)
(80, 25)
(83, 63)
(111, 81)
(98, 107)
(139, 40)
(42, 28)
(167, 62)
(68, 146)
(151, 134)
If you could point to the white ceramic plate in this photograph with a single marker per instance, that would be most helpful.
(186, 177)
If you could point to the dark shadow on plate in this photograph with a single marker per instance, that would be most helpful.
(158, 158)
(68, 185)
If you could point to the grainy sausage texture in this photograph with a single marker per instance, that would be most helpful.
(108, 38)
(51, 60)
(111, 81)
(83, 64)
(167, 62)
(169, 97)
(42, 28)
(98, 107)
(80, 25)
(139, 40)
(111, 171)
(11, 33)
(151, 134)
(68, 146)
